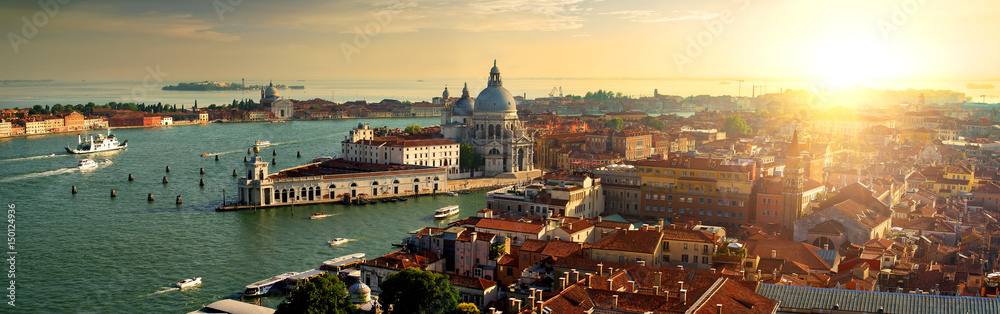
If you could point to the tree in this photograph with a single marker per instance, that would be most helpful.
(468, 158)
(736, 125)
(617, 124)
(322, 294)
(413, 129)
(418, 291)
(315, 107)
(467, 308)
(653, 123)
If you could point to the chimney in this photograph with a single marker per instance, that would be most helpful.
(681, 267)
(660, 228)
(759, 275)
(561, 284)
(632, 286)
(611, 285)
(574, 276)
(642, 263)
(937, 289)
(539, 305)
(531, 300)
(539, 292)
(712, 269)
(774, 253)
(473, 236)
(680, 285)
(719, 307)
(683, 296)
(600, 269)
(656, 290)
(587, 280)
(600, 219)
(658, 279)
(493, 310)
(826, 246)
(615, 300)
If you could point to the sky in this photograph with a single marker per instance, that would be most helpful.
(193, 40)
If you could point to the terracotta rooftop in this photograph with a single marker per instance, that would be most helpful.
(630, 241)
(511, 226)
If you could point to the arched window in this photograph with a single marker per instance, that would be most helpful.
(353, 184)
(333, 186)
(416, 180)
(375, 183)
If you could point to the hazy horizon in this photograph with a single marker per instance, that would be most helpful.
(194, 40)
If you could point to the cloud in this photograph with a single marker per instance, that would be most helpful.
(181, 26)
(645, 16)
(416, 15)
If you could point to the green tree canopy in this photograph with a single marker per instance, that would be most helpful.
(654, 123)
(322, 294)
(418, 291)
(468, 158)
(736, 125)
(616, 124)
(413, 129)
(314, 107)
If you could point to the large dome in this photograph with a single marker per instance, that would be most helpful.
(270, 91)
(495, 98)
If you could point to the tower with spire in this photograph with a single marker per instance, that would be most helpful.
(792, 183)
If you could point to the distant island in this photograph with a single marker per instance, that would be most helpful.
(25, 81)
(980, 86)
(217, 86)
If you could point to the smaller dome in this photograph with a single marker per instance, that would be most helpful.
(495, 69)
(445, 93)
(359, 287)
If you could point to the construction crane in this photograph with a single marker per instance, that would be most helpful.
(554, 90)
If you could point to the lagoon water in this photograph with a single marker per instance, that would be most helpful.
(65, 92)
(91, 253)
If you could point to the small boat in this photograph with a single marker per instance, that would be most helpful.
(51, 155)
(260, 143)
(107, 161)
(445, 212)
(450, 193)
(86, 163)
(190, 282)
(206, 155)
(318, 216)
(464, 192)
(277, 121)
(401, 199)
(337, 241)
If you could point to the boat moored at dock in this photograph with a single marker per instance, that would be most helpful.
(344, 262)
(266, 286)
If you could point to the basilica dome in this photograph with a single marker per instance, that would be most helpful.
(495, 98)
(270, 91)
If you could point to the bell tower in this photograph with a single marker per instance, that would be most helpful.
(792, 180)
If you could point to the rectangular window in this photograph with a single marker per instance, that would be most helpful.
(720, 202)
(647, 196)
(704, 259)
(684, 258)
(708, 212)
(708, 201)
(670, 198)
(670, 209)
(685, 246)
(702, 174)
(647, 207)
(701, 212)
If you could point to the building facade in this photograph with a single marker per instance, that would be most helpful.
(362, 146)
(715, 191)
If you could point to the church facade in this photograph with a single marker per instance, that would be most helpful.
(281, 108)
(489, 123)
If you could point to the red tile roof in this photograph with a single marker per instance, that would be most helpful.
(510, 226)
(630, 241)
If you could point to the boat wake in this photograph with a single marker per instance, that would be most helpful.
(39, 174)
(29, 158)
(162, 290)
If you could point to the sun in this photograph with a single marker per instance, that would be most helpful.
(850, 61)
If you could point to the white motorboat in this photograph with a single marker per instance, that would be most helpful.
(260, 143)
(337, 241)
(318, 216)
(451, 193)
(190, 282)
(99, 144)
(86, 163)
(445, 212)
